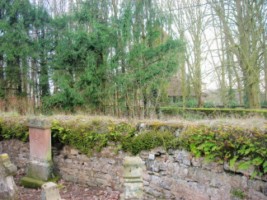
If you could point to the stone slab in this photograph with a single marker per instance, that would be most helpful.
(29, 182)
(39, 123)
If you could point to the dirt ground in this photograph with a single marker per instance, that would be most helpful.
(68, 191)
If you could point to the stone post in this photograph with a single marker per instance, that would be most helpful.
(132, 174)
(40, 166)
(8, 188)
(50, 192)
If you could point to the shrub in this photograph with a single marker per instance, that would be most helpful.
(147, 141)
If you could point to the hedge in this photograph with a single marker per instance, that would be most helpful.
(213, 112)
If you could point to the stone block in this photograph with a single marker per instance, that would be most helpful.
(40, 165)
(8, 188)
(39, 123)
(50, 192)
(151, 156)
(132, 174)
(183, 157)
(40, 170)
(31, 182)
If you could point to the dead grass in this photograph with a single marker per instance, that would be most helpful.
(247, 123)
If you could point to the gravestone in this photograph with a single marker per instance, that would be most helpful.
(50, 192)
(40, 166)
(132, 175)
(8, 188)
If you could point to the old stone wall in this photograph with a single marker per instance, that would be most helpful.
(176, 175)
(167, 175)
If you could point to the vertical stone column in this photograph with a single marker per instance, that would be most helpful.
(8, 188)
(132, 174)
(40, 166)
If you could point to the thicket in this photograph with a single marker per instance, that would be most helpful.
(240, 147)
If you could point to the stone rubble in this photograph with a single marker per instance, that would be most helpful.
(8, 188)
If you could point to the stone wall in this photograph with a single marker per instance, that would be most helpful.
(168, 175)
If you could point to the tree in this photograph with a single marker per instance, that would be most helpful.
(245, 40)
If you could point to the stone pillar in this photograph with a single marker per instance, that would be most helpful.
(40, 166)
(50, 192)
(132, 174)
(8, 188)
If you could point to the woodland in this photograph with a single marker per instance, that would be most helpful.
(118, 56)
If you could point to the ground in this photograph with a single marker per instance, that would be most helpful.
(68, 191)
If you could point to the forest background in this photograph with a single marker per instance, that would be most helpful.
(118, 57)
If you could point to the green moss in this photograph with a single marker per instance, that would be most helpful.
(28, 182)
(238, 193)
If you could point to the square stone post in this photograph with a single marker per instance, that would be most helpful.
(40, 166)
(132, 174)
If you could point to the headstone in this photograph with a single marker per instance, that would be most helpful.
(40, 166)
(8, 188)
(133, 181)
(50, 191)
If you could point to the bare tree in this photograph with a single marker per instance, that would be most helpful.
(243, 30)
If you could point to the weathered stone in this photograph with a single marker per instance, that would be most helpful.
(40, 166)
(50, 191)
(39, 123)
(197, 162)
(212, 166)
(255, 195)
(246, 172)
(182, 190)
(141, 127)
(8, 188)
(133, 183)
(186, 182)
(183, 158)
(151, 156)
(40, 170)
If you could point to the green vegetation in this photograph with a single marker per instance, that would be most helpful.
(31, 182)
(130, 57)
(212, 112)
(117, 61)
(242, 148)
(238, 193)
(227, 144)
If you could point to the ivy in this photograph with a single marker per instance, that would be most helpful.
(241, 148)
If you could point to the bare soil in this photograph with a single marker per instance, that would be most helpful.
(68, 191)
